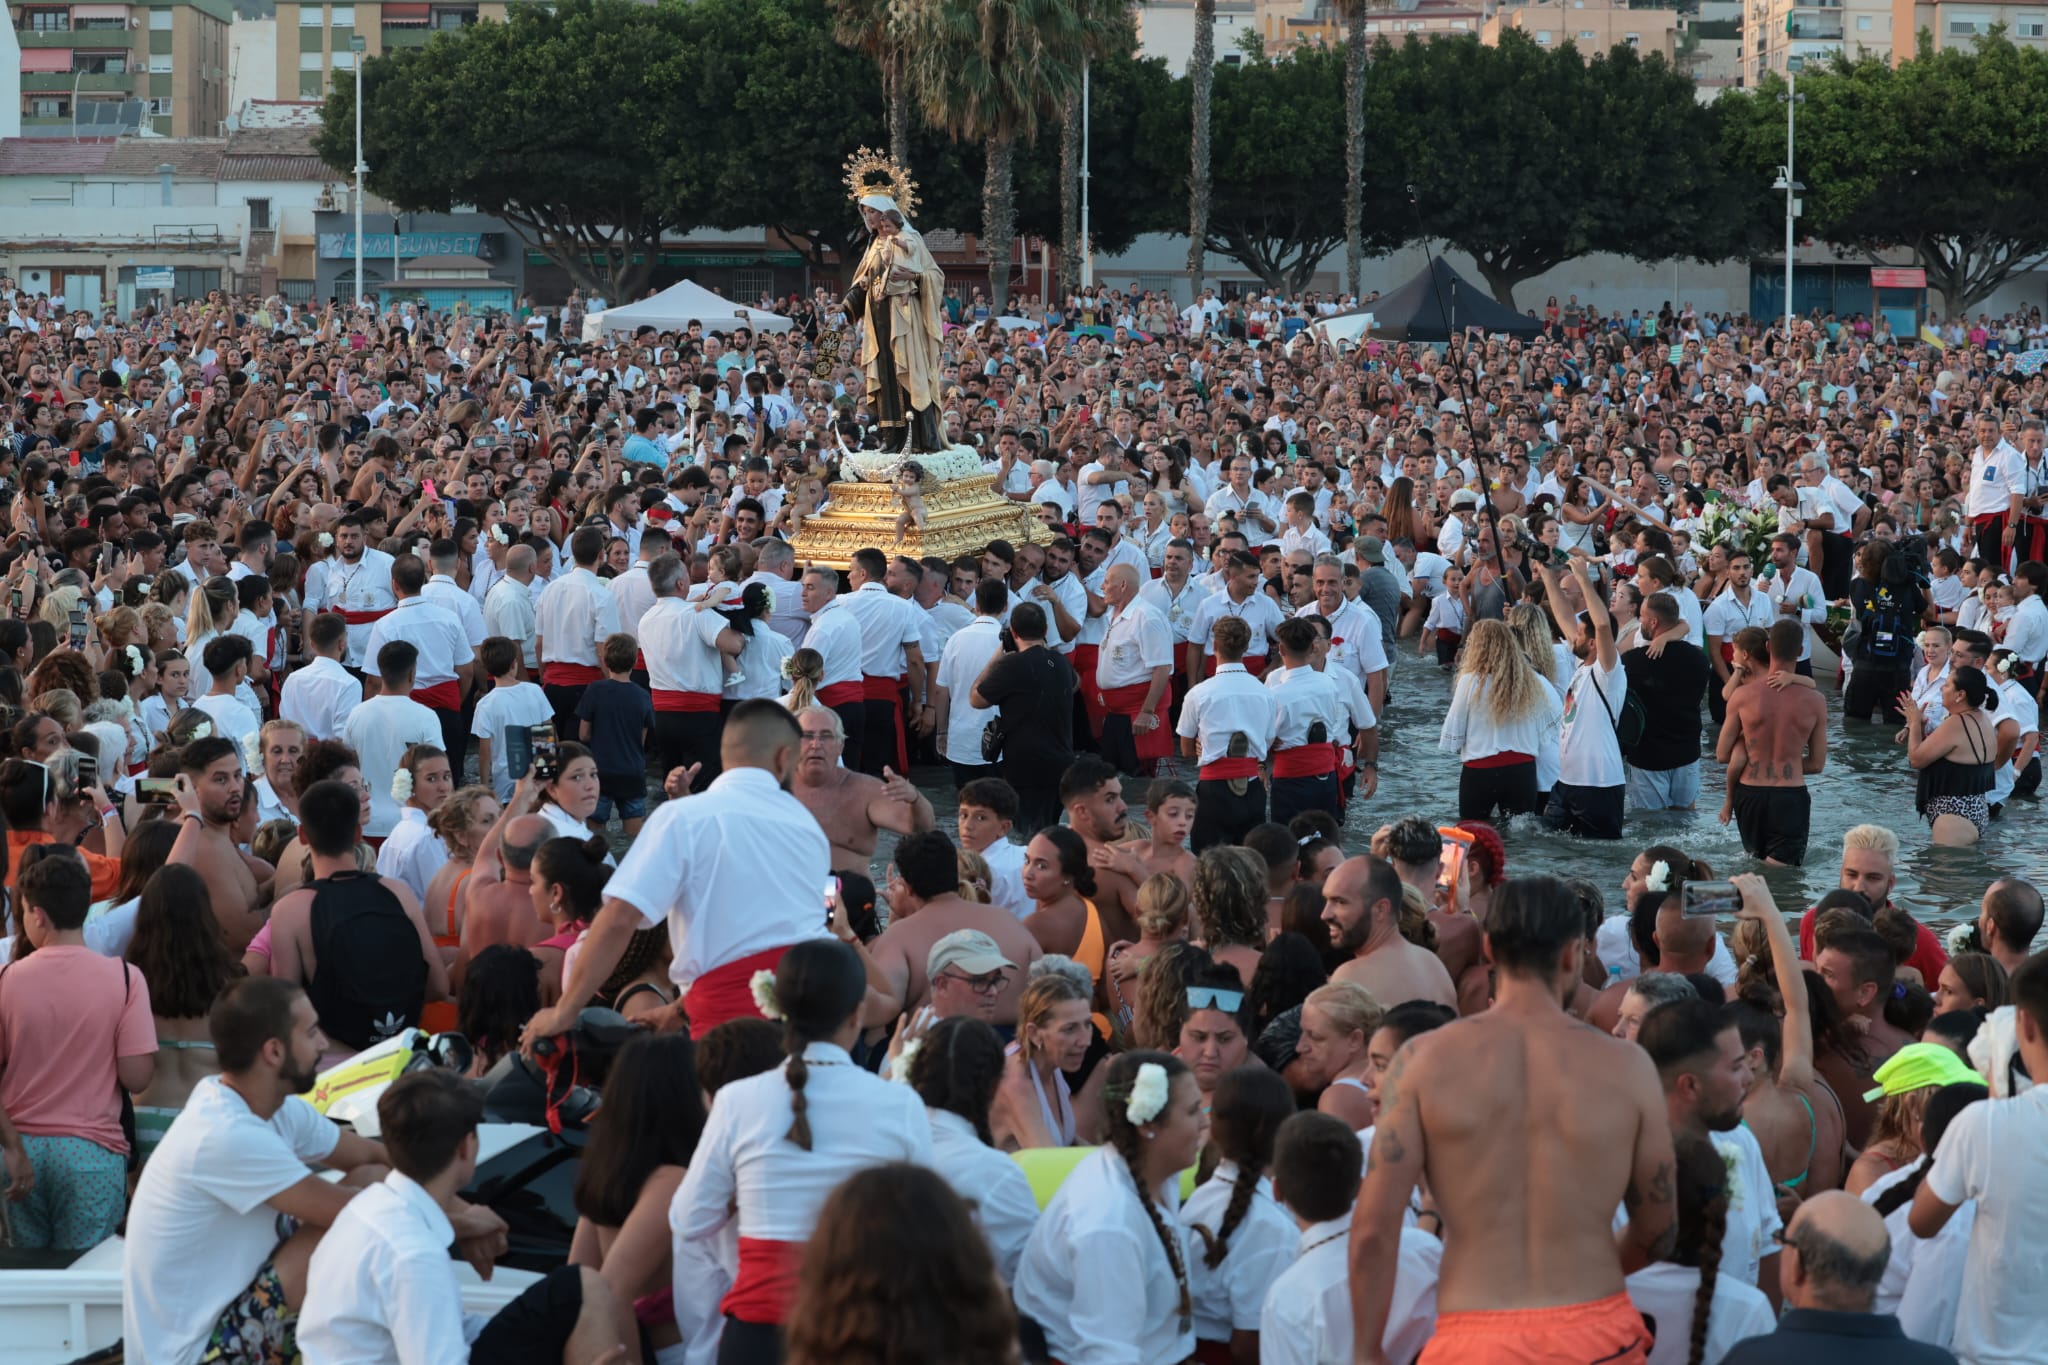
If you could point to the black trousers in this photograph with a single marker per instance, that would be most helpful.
(686, 737)
(1510, 789)
(1838, 557)
(1119, 743)
(1875, 687)
(749, 1343)
(1293, 795)
(1224, 817)
(454, 739)
(853, 718)
(565, 697)
(963, 773)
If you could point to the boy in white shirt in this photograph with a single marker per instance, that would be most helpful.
(510, 704)
(1307, 1318)
(382, 1274)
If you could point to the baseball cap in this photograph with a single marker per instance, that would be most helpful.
(1917, 1066)
(1372, 549)
(972, 951)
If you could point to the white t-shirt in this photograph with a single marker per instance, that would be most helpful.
(1589, 750)
(198, 1228)
(1996, 1153)
(1666, 1293)
(1752, 1205)
(497, 711)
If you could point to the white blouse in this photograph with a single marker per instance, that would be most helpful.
(1095, 1276)
(1307, 1317)
(1229, 1298)
(1471, 732)
(992, 1184)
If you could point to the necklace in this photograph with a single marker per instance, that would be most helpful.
(1322, 1241)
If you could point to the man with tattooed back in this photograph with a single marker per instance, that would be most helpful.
(1526, 1127)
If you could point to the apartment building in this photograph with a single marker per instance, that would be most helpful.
(1594, 26)
(87, 69)
(1776, 30)
(314, 40)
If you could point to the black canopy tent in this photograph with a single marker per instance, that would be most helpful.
(1439, 304)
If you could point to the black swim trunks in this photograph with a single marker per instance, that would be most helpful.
(1774, 822)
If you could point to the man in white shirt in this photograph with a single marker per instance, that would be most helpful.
(574, 615)
(1133, 674)
(1354, 630)
(1996, 1153)
(959, 722)
(1795, 595)
(744, 841)
(203, 1263)
(1994, 500)
(836, 636)
(1240, 598)
(382, 728)
(685, 645)
(1227, 724)
(775, 567)
(1098, 482)
(1738, 607)
(227, 659)
(509, 610)
(319, 696)
(1175, 595)
(892, 657)
(444, 592)
(382, 1275)
(357, 583)
(446, 663)
(2027, 635)
(1587, 798)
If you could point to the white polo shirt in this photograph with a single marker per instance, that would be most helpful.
(1177, 607)
(1135, 641)
(965, 655)
(446, 593)
(379, 730)
(575, 613)
(319, 697)
(836, 635)
(887, 623)
(434, 631)
(1257, 611)
(1225, 703)
(681, 647)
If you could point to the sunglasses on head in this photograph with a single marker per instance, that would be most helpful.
(1214, 998)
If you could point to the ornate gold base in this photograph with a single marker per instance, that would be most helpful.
(961, 517)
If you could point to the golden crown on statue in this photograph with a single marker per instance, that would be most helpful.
(871, 172)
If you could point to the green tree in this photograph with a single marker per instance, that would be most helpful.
(593, 175)
(874, 28)
(1355, 51)
(1940, 155)
(1613, 154)
(988, 73)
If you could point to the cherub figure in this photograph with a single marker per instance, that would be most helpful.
(910, 488)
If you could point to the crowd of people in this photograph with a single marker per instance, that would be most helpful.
(370, 671)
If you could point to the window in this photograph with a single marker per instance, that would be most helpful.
(110, 22)
(159, 63)
(2031, 26)
(752, 284)
(1585, 35)
(56, 107)
(1863, 23)
(344, 16)
(1632, 39)
(344, 60)
(1543, 36)
(310, 16)
(86, 63)
(452, 18)
(1968, 25)
(160, 20)
(193, 283)
(48, 21)
(259, 215)
(160, 108)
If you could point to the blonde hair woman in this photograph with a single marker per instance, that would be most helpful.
(1337, 1023)
(1499, 712)
(1033, 1107)
(212, 610)
(1162, 915)
(805, 670)
(461, 821)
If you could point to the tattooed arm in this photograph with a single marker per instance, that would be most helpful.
(1651, 1198)
(1391, 1169)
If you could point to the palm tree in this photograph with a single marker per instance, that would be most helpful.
(874, 29)
(987, 71)
(1201, 80)
(1105, 28)
(1354, 143)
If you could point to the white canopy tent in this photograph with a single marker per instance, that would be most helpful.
(676, 307)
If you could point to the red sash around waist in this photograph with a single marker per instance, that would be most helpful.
(883, 689)
(1085, 658)
(1254, 664)
(665, 700)
(361, 618)
(1224, 769)
(1306, 760)
(441, 696)
(726, 992)
(1506, 758)
(639, 662)
(842, 693)
(766, 1284)
(1128, 701)
(569, 675)
(1446, 636)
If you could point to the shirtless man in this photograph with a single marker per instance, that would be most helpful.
(1858, 968)
(1414, 847)
(925, 906)
(1784, 732)
(498, 897)
(1362, 906)
(1093, 794)
(1529, 1250)
(852, 808)
(210, 791)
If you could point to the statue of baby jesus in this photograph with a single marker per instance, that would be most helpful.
(910, 487)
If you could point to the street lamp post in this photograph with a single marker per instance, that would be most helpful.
(358, 45)
(1087, 245)
(1792, 187)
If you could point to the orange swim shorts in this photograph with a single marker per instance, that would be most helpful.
(1607, 1331)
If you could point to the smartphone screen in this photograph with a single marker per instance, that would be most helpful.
(1704, 900)
(157, 791)
(546, 752)
(88, 771)
(78, 628)
(831, 899)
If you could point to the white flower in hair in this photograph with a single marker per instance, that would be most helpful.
(202, 730)
(498, 534)
(762, 984)
(401, 786)
(1961, 938)
(1659, 878)
(252, 744)
(901, 1072)
(788, 668)
(2005, 665)
(1148, 1094)
(134, 656)
(326, 541)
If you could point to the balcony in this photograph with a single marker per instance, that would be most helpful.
(83, 37)
(49, 82)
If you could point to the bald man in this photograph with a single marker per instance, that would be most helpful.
(1134, 674)
(1836, 1251)
(1684, 945)
(736, 873)
(498, 893)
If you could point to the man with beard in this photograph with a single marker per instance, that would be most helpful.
(359, 943)
(356, 583)
(211, 788)
(737, 873)
(1529, 1265)
(1362, 907)
(852, 808)
(1705, 1071)
(204, 1270)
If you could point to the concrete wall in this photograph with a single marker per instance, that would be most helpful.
(252, 62)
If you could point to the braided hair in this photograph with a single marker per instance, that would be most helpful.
(1123, 1136)
(1251, 1102)
(958, 1069)
(1702, 1227)
(819, 985)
